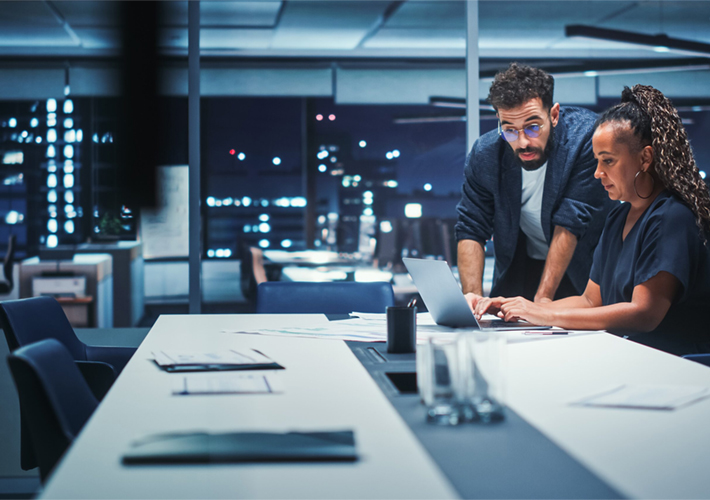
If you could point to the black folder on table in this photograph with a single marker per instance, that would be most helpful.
(233, 447)
(179, 361)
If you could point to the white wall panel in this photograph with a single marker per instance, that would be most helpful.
(95, 82)
(354, 86)
(266, 82)
(416, 86)
(398, 86)
(31, 83)
(673, 84)
(251, 82)
(575, 90)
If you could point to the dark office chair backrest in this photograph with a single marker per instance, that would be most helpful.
(703, 359)
(7, 283)
(26, 321)
(326, 298)
(54, 397)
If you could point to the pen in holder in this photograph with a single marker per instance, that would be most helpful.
(402, 329)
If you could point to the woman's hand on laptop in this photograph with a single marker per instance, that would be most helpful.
(519, 308)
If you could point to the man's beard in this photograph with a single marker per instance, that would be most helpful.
(539, 162)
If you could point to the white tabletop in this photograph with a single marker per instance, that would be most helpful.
(326, 389)
(641, 453)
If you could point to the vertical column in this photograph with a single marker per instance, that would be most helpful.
(473, 124)
(193, 86)
(308, 171)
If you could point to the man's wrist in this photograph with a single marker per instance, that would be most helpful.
(543, 297)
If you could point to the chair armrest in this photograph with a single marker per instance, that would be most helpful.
(100, 376)
(115, 356)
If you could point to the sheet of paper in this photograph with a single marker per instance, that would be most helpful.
(333, 331)
(650, 397)
(242, 383)
(227, 357)
(355, 329)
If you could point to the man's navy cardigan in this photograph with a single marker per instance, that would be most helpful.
(572, 197)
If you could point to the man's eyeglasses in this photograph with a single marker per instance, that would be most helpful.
(511, 134)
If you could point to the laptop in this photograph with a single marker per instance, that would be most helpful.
(445, 301)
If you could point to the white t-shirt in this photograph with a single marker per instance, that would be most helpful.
(530, 211)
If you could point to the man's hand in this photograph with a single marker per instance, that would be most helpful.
(488, 305)
(559, 256)
(472, 299)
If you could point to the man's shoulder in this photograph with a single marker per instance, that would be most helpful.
(578, 121)
(488, 142)
(487, 147)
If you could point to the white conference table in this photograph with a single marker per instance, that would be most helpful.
(639, 453)
(326, 388)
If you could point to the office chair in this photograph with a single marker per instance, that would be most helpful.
(26, 321)
(251, 270)
(326, 298)
(254, 271)
(54, 397)
(6, 284)
(703, 359)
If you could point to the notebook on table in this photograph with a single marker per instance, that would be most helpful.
(234, 447)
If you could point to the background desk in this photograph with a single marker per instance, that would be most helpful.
(98, 269)
(128, 277)
(311, 258)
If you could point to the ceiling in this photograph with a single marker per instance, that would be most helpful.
(368, 29)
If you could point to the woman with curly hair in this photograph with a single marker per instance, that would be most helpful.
(650, 277)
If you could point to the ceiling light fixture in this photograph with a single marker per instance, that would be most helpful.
(658, 43)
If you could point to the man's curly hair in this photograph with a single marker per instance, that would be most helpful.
(520, 83)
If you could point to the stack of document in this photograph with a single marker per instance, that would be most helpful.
(362, 327)
(649, 397)
(232, 383)
(186, 361)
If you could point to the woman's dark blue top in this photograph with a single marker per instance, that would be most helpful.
(665, 238)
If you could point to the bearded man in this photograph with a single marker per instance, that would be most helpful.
(530, 187)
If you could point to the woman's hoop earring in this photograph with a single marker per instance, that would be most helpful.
(653, 185)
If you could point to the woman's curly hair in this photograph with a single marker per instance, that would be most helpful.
(655, 122)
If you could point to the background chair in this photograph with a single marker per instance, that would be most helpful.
(251, 270)
(6, 283)
(254, 270)
(26, 321)
(326, 298)
(54, 397)
(699, 358)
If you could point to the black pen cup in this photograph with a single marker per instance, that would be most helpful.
(401, 330)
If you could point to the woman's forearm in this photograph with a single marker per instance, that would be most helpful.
(622, 316)
(574, 302)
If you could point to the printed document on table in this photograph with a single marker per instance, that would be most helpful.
(228, 359)
(423, 318)
(356, 330)
(649, 397)
(242, 383)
